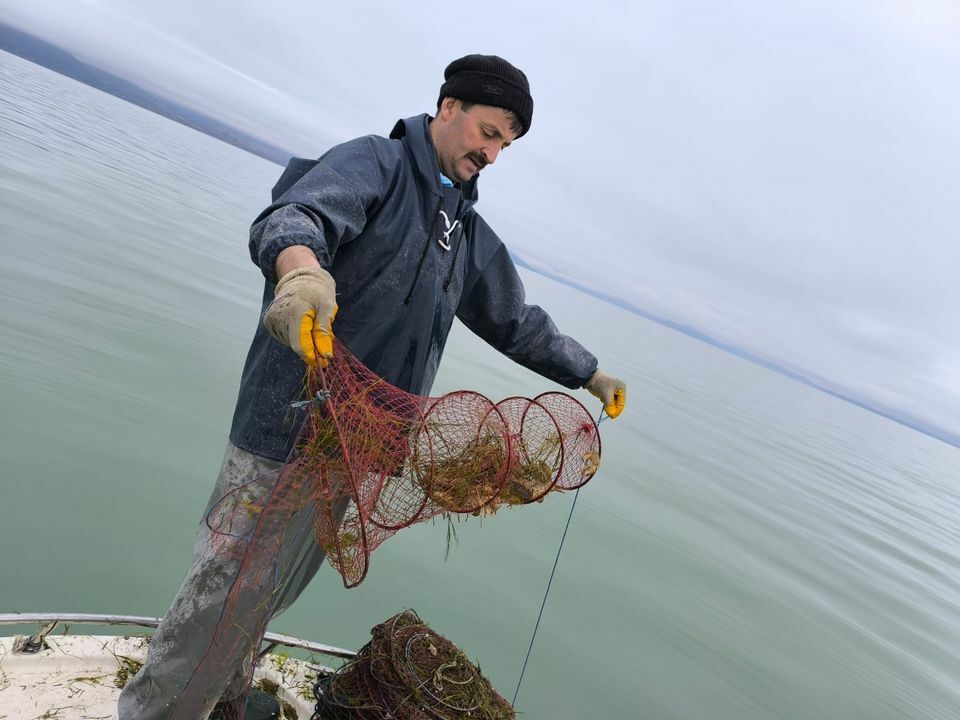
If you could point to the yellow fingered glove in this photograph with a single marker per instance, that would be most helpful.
(302, 312)
(611, 391)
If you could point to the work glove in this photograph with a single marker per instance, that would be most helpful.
(302, 312)
(611, 391)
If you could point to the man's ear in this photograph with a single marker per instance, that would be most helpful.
(448, 107)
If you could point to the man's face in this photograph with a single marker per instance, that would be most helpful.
(469, 140)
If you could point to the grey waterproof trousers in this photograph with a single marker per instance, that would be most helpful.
(181, 680)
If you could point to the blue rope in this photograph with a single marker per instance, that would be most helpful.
(549, 583)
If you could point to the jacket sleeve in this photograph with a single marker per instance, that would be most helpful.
(321, 205)
(493, 305)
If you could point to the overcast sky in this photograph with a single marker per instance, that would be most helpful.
(781, 175)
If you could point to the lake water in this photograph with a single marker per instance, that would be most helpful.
(751, 548)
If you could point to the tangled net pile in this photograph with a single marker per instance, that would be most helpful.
(408, 672)
(372, 459)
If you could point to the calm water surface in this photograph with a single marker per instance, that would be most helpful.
(751, 548)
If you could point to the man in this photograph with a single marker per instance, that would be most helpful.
(381, 236)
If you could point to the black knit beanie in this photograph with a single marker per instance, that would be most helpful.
(489, 80)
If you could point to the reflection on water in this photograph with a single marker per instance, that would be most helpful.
(750, 548)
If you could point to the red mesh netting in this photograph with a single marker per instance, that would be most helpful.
(369, 460)
(400, 458)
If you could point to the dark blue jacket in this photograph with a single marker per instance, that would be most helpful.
(371, 211)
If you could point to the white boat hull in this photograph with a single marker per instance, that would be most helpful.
(78, 677)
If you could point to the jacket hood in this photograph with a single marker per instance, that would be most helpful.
(415, 131)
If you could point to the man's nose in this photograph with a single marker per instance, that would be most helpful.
(490, 153)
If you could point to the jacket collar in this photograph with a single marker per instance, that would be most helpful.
(415, 133)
